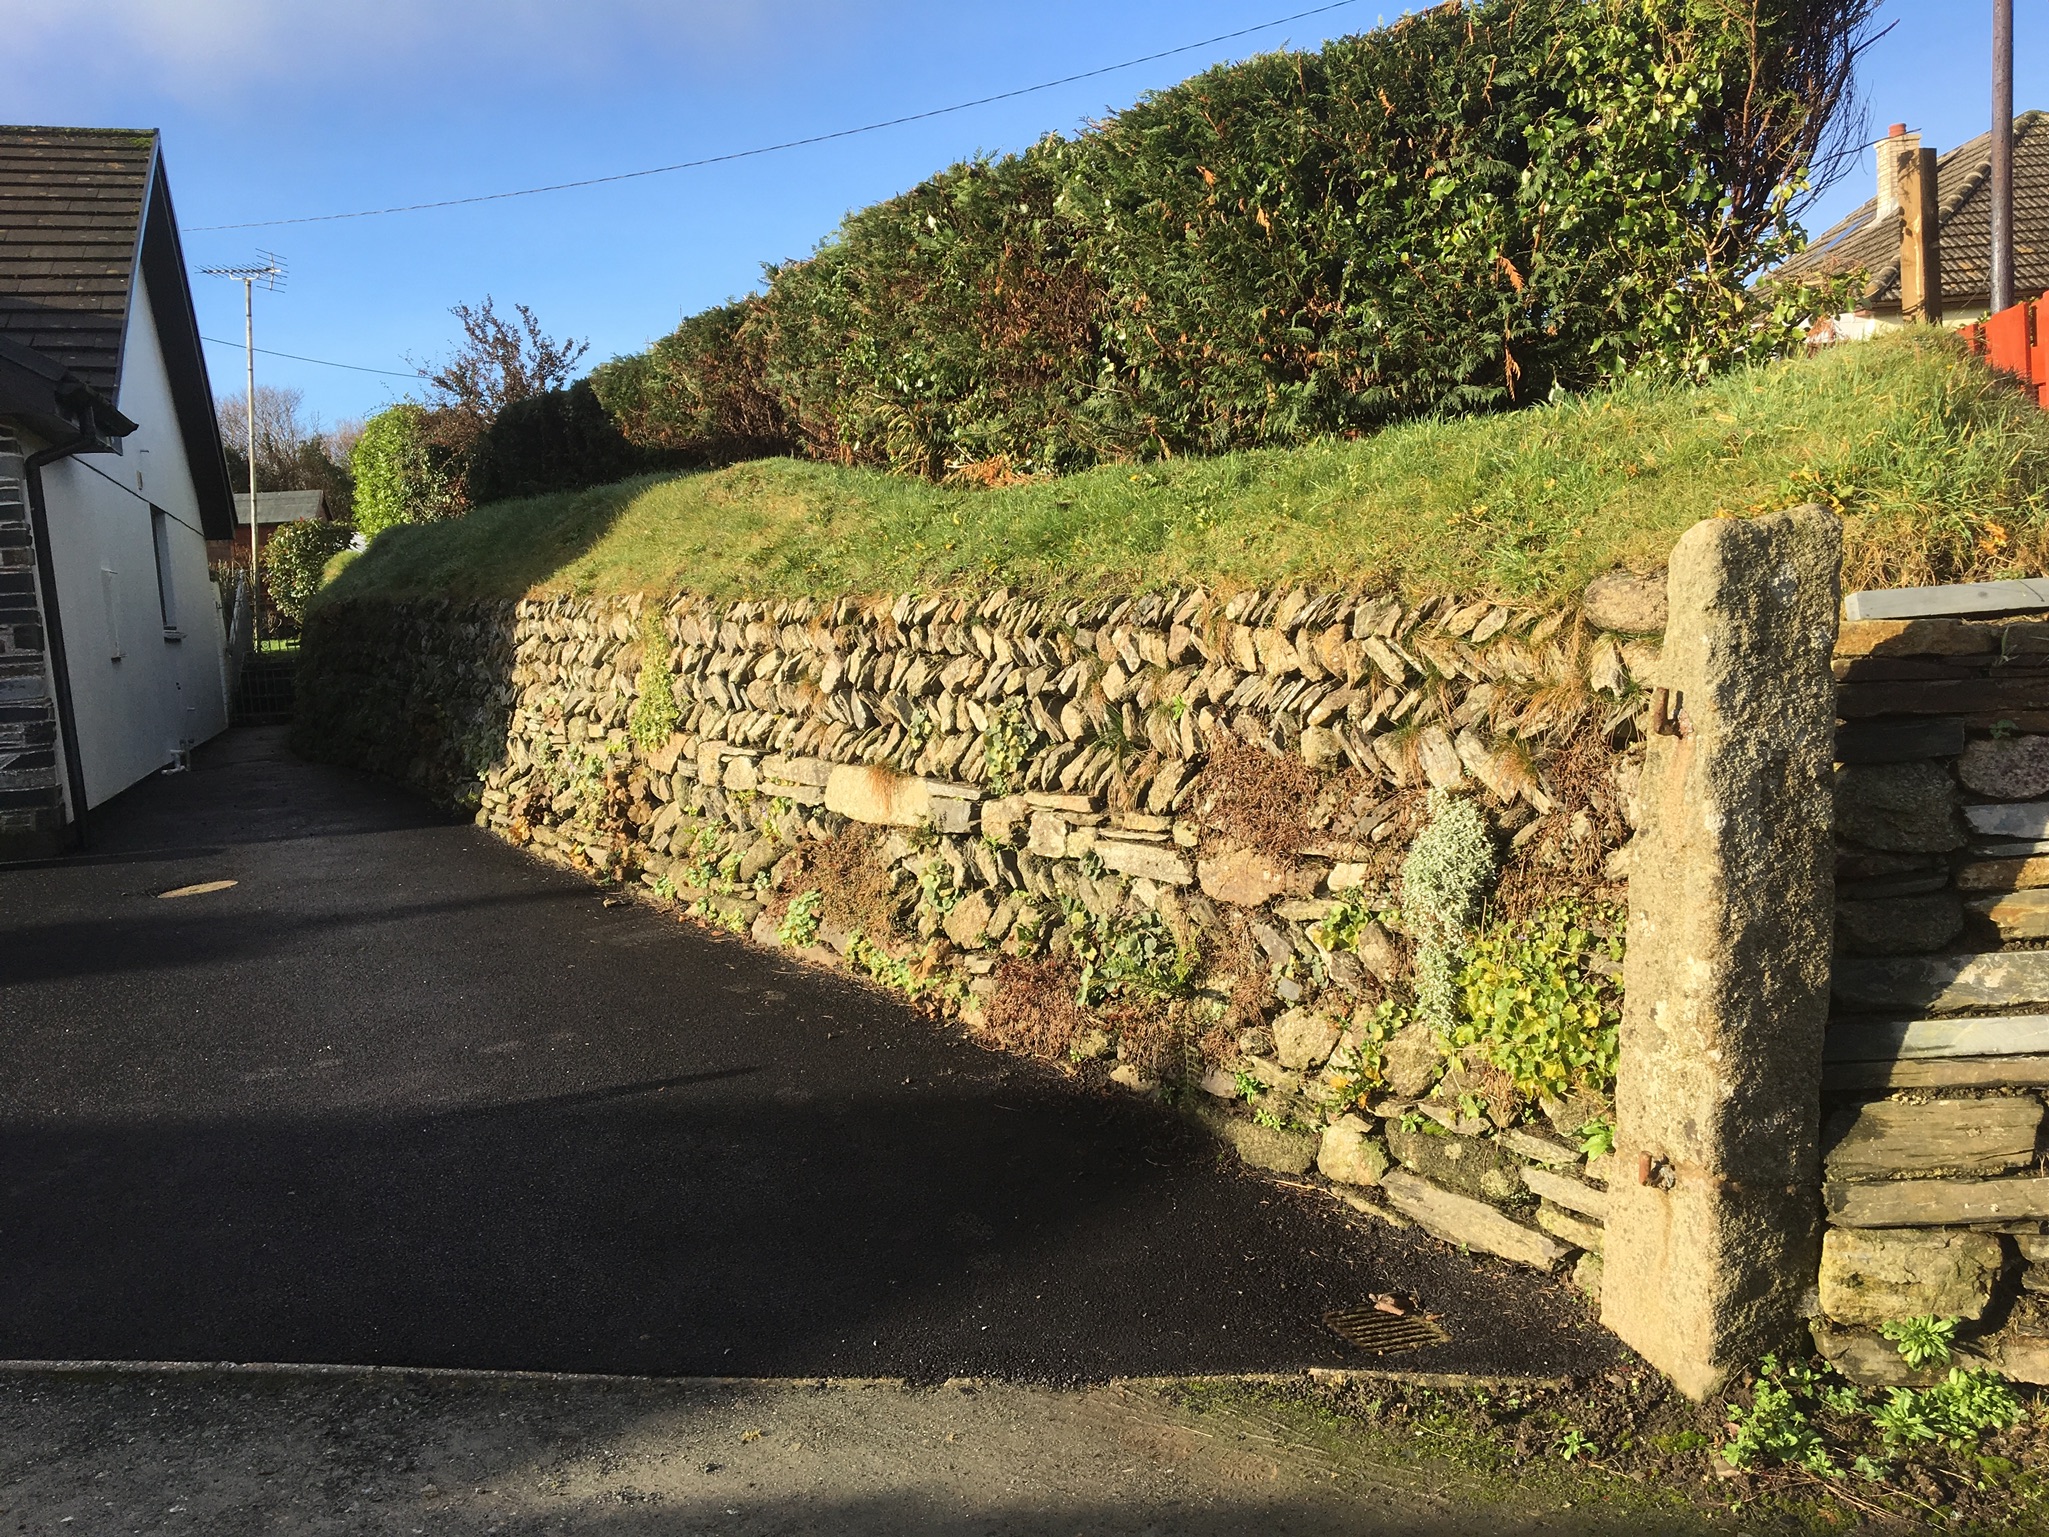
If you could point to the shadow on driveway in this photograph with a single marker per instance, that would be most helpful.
(403, 1096)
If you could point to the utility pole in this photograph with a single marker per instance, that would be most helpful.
(2002, 155)
(271, 274)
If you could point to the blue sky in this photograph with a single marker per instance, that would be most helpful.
(273, 109)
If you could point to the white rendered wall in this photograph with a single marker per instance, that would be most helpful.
(160, 695)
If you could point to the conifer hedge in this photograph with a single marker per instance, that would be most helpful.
(1458, 212)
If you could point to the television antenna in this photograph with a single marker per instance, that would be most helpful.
(269, 270)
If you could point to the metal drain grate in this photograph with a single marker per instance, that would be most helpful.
(1383, 1333)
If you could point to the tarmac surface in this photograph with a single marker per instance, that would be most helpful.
(402, 1096)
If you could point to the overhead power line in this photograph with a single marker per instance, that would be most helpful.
(770, 149)
(323, 362)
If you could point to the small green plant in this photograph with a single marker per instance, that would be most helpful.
(1921, 1341)
(1955, 1412)
(1572, 1444)
(1262, 1116)
(1249, 1087)
(1444, 881)
(1773, 1428)
(936, 891)
(799, 928)
(665, 888)
(1125, 956)
(1597, 1139)
(1006, 742)
(1360, 1063)
(1341, 927)
(655, 712)
(1536, 1005)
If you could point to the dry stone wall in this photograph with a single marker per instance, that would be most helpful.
(1159, 838)
(1937, 1055)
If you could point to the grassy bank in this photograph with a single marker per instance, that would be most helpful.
(1941, 468)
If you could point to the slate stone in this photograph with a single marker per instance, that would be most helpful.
(1462, 1220)
(1937, 1202)
(1903, 925)
(1944, 982)
(1898, 742)
(1563, 1190)
(1897, 807)
(1570, 1227)
(1957, 1136)
(2018, 914)
(1968, 599)
(2024, 819)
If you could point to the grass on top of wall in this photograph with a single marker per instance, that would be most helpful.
(1940, 467)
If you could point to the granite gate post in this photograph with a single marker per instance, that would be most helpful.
(1715, 1214)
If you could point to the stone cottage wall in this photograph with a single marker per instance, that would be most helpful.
(1079, 785)
(1937, 1056)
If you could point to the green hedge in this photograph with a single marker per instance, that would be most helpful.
(1461, 211)
(558, 441)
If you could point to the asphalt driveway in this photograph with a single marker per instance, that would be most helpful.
(403, 1096)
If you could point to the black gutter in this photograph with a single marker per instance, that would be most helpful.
(53, 627)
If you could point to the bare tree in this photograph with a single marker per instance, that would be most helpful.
(293, 453)
(498, 362)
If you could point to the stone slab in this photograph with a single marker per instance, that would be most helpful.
(1915, 637)
(1963, 1136)
(1871, 1276)
(1474, 1224)
(1959, 696)
(2016, 914)
(1964, 600)
(2021, 874)
(1538, 1148)
(1564, 1190)
(880, 797)
(2010, 819)
(1149, 861)
(1991, 980)
(1937, 1073)
(1898, 742)
(1266, 1147)
(1883, 1040)
(1936, 1202)
(1571, 1227)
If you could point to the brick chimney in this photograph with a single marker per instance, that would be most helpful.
(1896, 141)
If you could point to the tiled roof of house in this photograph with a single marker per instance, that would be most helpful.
(72, 202)
(1866, 242)
(284, 507)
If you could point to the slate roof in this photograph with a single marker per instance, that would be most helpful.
(85, 218)
(71, 207)
(284, 507)
(1964, 211)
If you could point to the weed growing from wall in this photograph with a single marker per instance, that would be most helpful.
(655, 712)
(1007, 741)
(1534, 1004)
(1445, 880)
(799, 928)
(1127, 956)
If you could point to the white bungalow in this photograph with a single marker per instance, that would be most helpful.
(111, 481)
